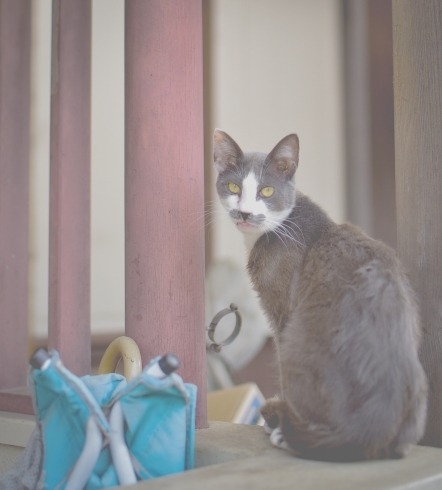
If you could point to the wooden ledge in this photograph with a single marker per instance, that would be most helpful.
(17, 400)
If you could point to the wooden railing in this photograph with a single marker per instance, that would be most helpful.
(164, 165)
(417, 56)
(164, 188)
(15, 42)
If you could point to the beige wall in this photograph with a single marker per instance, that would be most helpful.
(275, 69)
(107, 233)
(39, 165)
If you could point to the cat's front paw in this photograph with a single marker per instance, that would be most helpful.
(267, 429)
(277, 439)
(270, 412)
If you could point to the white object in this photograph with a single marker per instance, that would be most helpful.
(119, 451)
(88, 457)
(156, 371)
(164, 366)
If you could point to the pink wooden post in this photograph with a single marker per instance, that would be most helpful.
(69, 242)
(164, 184)
(15, 29)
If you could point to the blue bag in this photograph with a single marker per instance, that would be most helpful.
(72, 413)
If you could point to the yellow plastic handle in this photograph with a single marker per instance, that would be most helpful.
(122, 348)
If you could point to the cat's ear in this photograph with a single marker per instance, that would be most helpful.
(284, 157)
(226, 153)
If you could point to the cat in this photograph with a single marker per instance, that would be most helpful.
(343, 313)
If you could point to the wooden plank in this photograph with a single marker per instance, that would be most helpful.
(16, 429)
(69, 222)
(369, 118)
(15, 42)
(359, 175)
(209, 171)
(164, 185)
(16, 400)
(380, 45)
(417, 54)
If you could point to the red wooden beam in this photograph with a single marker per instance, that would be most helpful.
(16, 400)
(164, 184)
(69, 241)
(15, 42)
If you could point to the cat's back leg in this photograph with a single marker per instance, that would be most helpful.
(286, 430)
(273, 411)
(413, 426)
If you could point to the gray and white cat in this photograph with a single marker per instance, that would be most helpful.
(344, 315)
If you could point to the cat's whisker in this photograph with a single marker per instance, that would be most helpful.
(293, 222)
(203, 213)
(283, 230)
(283, 240)
(209, 210)
(294, 237)
(281, 237)
(289, 230)
(212, 220)
(207, 214)
(267, 236)
(213, 206)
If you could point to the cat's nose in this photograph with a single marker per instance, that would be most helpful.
(244, 215)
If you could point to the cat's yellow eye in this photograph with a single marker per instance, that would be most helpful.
(233, 188)
(267, 191)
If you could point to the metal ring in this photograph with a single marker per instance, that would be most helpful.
(217, 346)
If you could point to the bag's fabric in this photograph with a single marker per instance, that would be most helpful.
(159, 423)
(27, 471)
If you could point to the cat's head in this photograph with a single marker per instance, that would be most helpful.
(257, 190)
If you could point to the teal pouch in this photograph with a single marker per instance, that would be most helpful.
(159, 423)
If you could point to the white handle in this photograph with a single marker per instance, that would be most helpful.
(88, 457)
(118, 448)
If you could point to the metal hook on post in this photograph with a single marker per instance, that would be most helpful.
(217, 346)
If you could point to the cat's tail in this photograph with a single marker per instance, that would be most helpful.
(319, 442)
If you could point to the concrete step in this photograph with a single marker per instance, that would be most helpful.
(235, 457)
